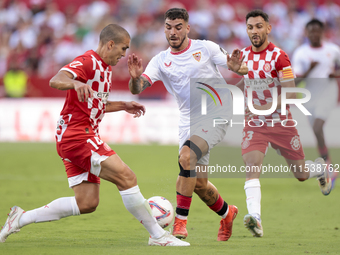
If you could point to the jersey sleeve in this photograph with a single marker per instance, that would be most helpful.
(79, 68)
(217, 54)
(284, 68)
(152, 72)
(297, 63)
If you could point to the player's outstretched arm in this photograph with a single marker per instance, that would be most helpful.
(235, 63)
(131, 107)
(63, 80)
(137, 83)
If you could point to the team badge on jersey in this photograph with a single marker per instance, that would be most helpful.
(295, 143)
(197, 56)
(267, 67)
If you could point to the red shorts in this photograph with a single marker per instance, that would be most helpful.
(82, 159)
(286, 141)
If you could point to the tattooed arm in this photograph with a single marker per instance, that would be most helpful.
(137, 82)
(137, 85)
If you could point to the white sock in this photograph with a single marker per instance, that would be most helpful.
(314, 169)
(57, 209)
(226, 213)
(253, 194)
(139, 207)
(181, 217)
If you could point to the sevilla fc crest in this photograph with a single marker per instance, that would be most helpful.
(197, 56)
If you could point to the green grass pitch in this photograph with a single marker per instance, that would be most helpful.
(297, 218)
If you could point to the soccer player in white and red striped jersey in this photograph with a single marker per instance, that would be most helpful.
(269, 67)
(86, 157)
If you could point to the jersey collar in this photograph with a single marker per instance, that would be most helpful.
(182, 51)
(270, 46)
(99, 58)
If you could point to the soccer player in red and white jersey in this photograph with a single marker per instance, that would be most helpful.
(86, 157)
(318, 61)
(184, 60)
(269, 68)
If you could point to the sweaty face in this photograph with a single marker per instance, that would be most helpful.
(175, 32)
(258, 30)
(118, 51)
(314, 34)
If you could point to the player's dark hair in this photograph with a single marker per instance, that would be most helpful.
(177, 13)
(256, 13)
(113, 32)
(315, 22)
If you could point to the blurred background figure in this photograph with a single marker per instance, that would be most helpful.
(15, 81)
(46, 34)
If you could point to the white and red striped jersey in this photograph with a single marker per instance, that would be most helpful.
(82, 118)
(267, 69)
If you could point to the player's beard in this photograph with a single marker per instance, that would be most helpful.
(260, 43)
(176, 47)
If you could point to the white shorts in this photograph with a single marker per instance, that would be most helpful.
(212, 135)
(322, 102)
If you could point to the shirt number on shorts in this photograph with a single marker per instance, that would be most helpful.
(249, 135)
(98, 141)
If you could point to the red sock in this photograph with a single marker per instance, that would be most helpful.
(183, 204)
(218, 204)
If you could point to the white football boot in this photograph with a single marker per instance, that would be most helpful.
(325, 181)
(253, 225)
(12, 223)
(167, 240)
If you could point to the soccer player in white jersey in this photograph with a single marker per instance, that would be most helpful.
(317, 61)
(175, 67)
(268, 68)
(86, 157)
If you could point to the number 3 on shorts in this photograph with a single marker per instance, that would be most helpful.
(249, 135)
(99, 142)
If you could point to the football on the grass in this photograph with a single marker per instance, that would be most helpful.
(162, 210)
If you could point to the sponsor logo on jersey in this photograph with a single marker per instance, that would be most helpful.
(197, 56)
(167, 65)
(103, 95)
(295, 143)
(267, 67)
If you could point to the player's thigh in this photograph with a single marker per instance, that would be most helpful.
(114, 170)
(87, 196)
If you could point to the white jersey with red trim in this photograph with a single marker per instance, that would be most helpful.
(328, 58)
(187, 73)
(267, 70)
(81, 119)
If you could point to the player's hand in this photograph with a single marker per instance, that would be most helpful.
(83, 90)
(135, 66)
(248, 114)
(234, 61)
(135, 108)
(313, 64)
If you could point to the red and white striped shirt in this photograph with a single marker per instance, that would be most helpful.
(81, 119)
(267, 69)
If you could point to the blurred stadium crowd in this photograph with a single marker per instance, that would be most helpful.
(38, 37)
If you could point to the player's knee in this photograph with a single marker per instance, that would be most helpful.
(185, 161)
(88, 205)
(127, 179)
(318, 131)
